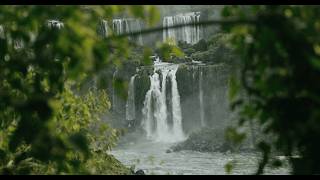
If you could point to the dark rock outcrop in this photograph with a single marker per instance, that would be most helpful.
(209, 140)
(139, 172)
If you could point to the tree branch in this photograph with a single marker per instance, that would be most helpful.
(202, 23)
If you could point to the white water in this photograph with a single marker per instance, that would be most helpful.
(114, 96)
(2, 32)
(203, 124)
(130, 105)
(149, 152)
(148, 119)
(176, 108)
(103, 28)
(189, 34)
(121, 26)
(155, 112)
(55, 24)
(152, 158)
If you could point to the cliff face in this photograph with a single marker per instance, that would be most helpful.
(203, 96)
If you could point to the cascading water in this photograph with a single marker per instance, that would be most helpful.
(121, 26)
(55, 24)
(118, 26)
(114, 97)
(155, 112)
(203, 124)
(189, 34)
(176, 108)
(130, 105)
(168, 34)
(2, 36)
(103, 28)
(148, 118)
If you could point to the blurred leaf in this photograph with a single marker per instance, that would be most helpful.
(232, 135)
(147, 52)
(234, 87)
(80, 142)
(229, 166)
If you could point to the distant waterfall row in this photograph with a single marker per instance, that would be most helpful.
(121, 26)
(190, 34)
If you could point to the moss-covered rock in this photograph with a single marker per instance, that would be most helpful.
(111, 166)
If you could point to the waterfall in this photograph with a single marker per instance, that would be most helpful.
(176, 108)
(162, 128)
(147, 122)
(168, 34)
(203, 124)
(55, 24)
(130, 105)
(113, 91)
(189, 34)
(118, 26)
(155, 109)
(2, 35)
(121, 26)
(155, 112)
(103, 28)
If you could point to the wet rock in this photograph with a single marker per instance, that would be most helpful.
(205, 140)
(140, 172)
(168, 151)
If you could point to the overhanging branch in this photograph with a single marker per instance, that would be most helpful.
(201, 23)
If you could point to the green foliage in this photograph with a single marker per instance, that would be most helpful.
(279, 74)
(167, 51)
(233, 135)
(229, 166)
(214, 50)
(84, 140)
(45, 127)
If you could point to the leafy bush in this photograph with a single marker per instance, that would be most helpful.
(77, 122)
(36, 61)
(279, 71)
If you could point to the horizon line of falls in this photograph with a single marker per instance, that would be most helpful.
(190, 34)
(121, 26)
(155, 108)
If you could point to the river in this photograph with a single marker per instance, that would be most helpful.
(152, 157)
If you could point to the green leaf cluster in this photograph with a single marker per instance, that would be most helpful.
(278, 75)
